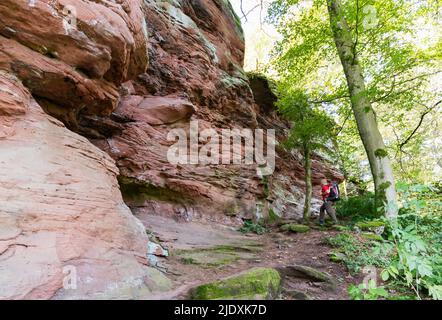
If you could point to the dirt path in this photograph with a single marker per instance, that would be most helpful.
(200, 253)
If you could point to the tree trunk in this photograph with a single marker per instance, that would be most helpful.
(308, 181)
(367, 125)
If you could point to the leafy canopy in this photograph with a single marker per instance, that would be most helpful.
(398, 44)
(312, 127)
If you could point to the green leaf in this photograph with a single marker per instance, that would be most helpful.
(380, 292)
(435, 292)
(425, 270)
(385, 275)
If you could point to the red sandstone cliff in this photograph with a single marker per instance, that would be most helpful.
(119, 76)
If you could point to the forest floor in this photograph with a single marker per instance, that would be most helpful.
(201, 253)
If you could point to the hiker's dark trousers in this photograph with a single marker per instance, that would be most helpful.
(327, 206)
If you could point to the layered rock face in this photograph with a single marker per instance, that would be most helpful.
(73, 54)
(120, 75)
(65, 231)
(196, 51)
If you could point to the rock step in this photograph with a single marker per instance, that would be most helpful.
(308, 273)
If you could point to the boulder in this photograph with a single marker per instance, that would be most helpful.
(310, 273)
(374, 226)
(372, 236)
(256, 283)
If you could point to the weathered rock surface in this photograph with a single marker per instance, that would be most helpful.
(62, 212)
(63, 222)
(73, 54)
(196, 51)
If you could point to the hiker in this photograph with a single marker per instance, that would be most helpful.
(330, 194)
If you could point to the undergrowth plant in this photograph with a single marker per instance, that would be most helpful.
(358, 207)
(416, 236)
(410, 256)
(253, 227)
(370, 292)
(357, 253)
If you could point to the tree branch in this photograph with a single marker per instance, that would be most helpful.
(330, 99)
(429, 109)
(394, 84)
(244, 15)
(344, 123)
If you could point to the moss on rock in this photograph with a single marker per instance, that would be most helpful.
(257, 283)
(370, 224)
(372, 236)
(208, 258)
(297, 228)
(374, 226)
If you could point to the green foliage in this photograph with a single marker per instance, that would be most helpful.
(370, 292)
(310, 132)
(416, 235)
(253, 227)
(357, 254)
(402, 67)
(312, 128)
(420, 199)
(411, 256)
(358, 207)
(418, 260)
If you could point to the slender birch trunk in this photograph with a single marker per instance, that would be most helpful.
(367, 125)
